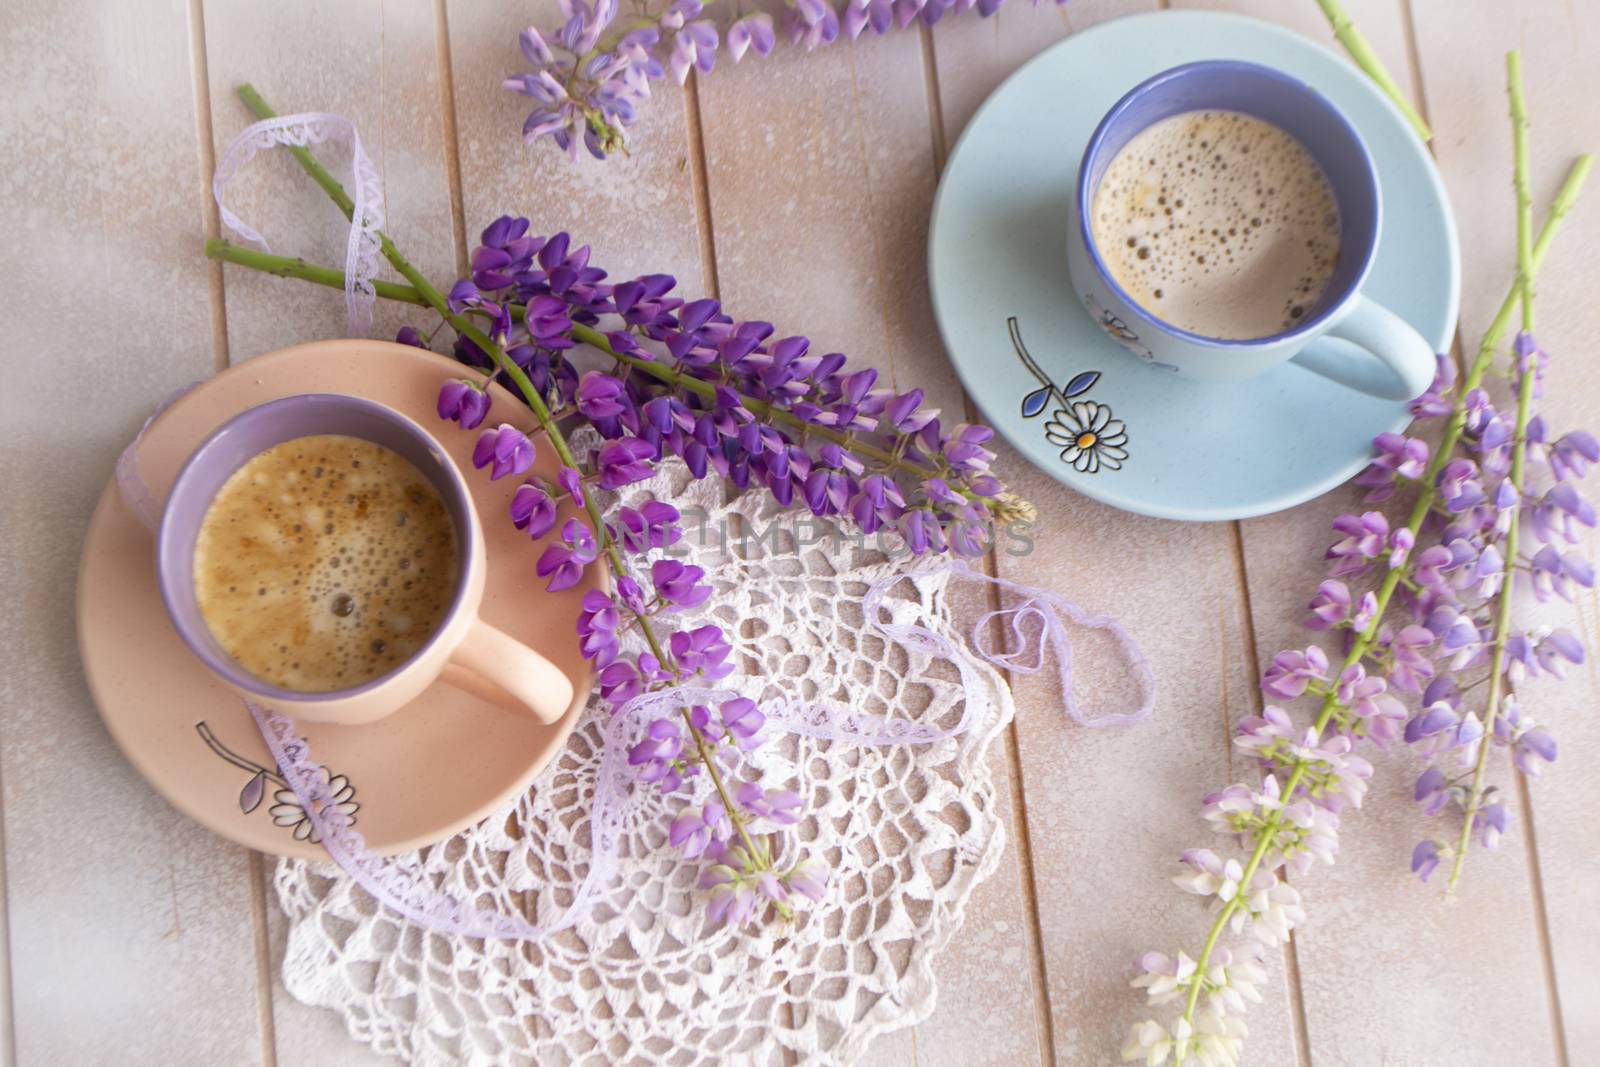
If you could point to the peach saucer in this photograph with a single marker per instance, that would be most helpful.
(436, 766)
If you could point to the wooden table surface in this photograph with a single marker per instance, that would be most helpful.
(796, 189)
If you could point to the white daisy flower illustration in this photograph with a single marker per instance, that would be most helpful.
(1089, 437)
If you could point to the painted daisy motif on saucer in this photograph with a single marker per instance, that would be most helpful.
(1089, 437)
(1085, 398)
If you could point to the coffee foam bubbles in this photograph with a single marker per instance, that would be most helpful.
(1218, 223)
(325, 562)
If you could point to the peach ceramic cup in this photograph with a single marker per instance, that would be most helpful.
(464, 650)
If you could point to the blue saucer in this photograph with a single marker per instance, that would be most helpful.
(1043, 370)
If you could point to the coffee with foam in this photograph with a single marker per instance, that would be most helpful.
(1219, 224)
(325, 562)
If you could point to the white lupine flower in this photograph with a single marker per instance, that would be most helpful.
(1218, 1039)
(1274, 911)
(1223, 807)
(1232, 978)
(1209, 875)
(1165, 979)
(1148, 1041)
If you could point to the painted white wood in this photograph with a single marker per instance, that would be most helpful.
(129, 925)
(817, 172)
(821, 170)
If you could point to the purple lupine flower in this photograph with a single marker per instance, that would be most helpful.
(1431, 722)
(656, 755)
(624, 461)
(703, 650)
(751, 33)
(1459, 486)
(463, 402)
(693, 47)
(505, 450)
(1411, 667)
(694, 830)
(572, 483)
(963, 447)
(506, 251)
(1292, 671)
(742, 720)
(630, 595)
(563, 564)
(652, 525)
(1489, 823)
(809, 878)
(1398, 456)
(1425, 858)
(597, 627)
(1559, 512)
(1368, 698)
(1362, 539)
(1330, 607)
(1436, 402)
(732, 899)
(1427, 570)
(1400, 544)
(1572, 454)
(782, 806)
(601, 396)
(678, 584)
(410, 335)
(1529, 742)
(1432, 791)
(1555, 647)
(533, 510)
(620, 682)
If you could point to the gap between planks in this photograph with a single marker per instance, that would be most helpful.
(1291, 950)
(8, 1038)
(206, 162)
(1044, 1018)
(210, 224)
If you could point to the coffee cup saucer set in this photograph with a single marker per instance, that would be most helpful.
(447, 757)
(1096, 391)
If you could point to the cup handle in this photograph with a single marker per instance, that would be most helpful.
(1401, 364)
(498, 668)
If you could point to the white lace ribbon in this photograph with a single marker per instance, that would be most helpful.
(362, 247)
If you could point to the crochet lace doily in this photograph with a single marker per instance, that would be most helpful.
(909, 831)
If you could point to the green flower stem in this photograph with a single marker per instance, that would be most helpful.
(1355, 42)
(1519, 453)
(1419, 511)
(432, 297)
(287, 267)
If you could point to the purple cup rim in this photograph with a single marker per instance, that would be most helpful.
(1085, 196)
(225, 665)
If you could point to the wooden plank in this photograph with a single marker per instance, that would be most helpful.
(638, 211)
(1126, 794)
(821, 170)
(1461, 46)
(128, 924)
(1354, 967)
(374, 63)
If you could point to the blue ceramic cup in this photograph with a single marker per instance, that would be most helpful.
(1346, 337)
